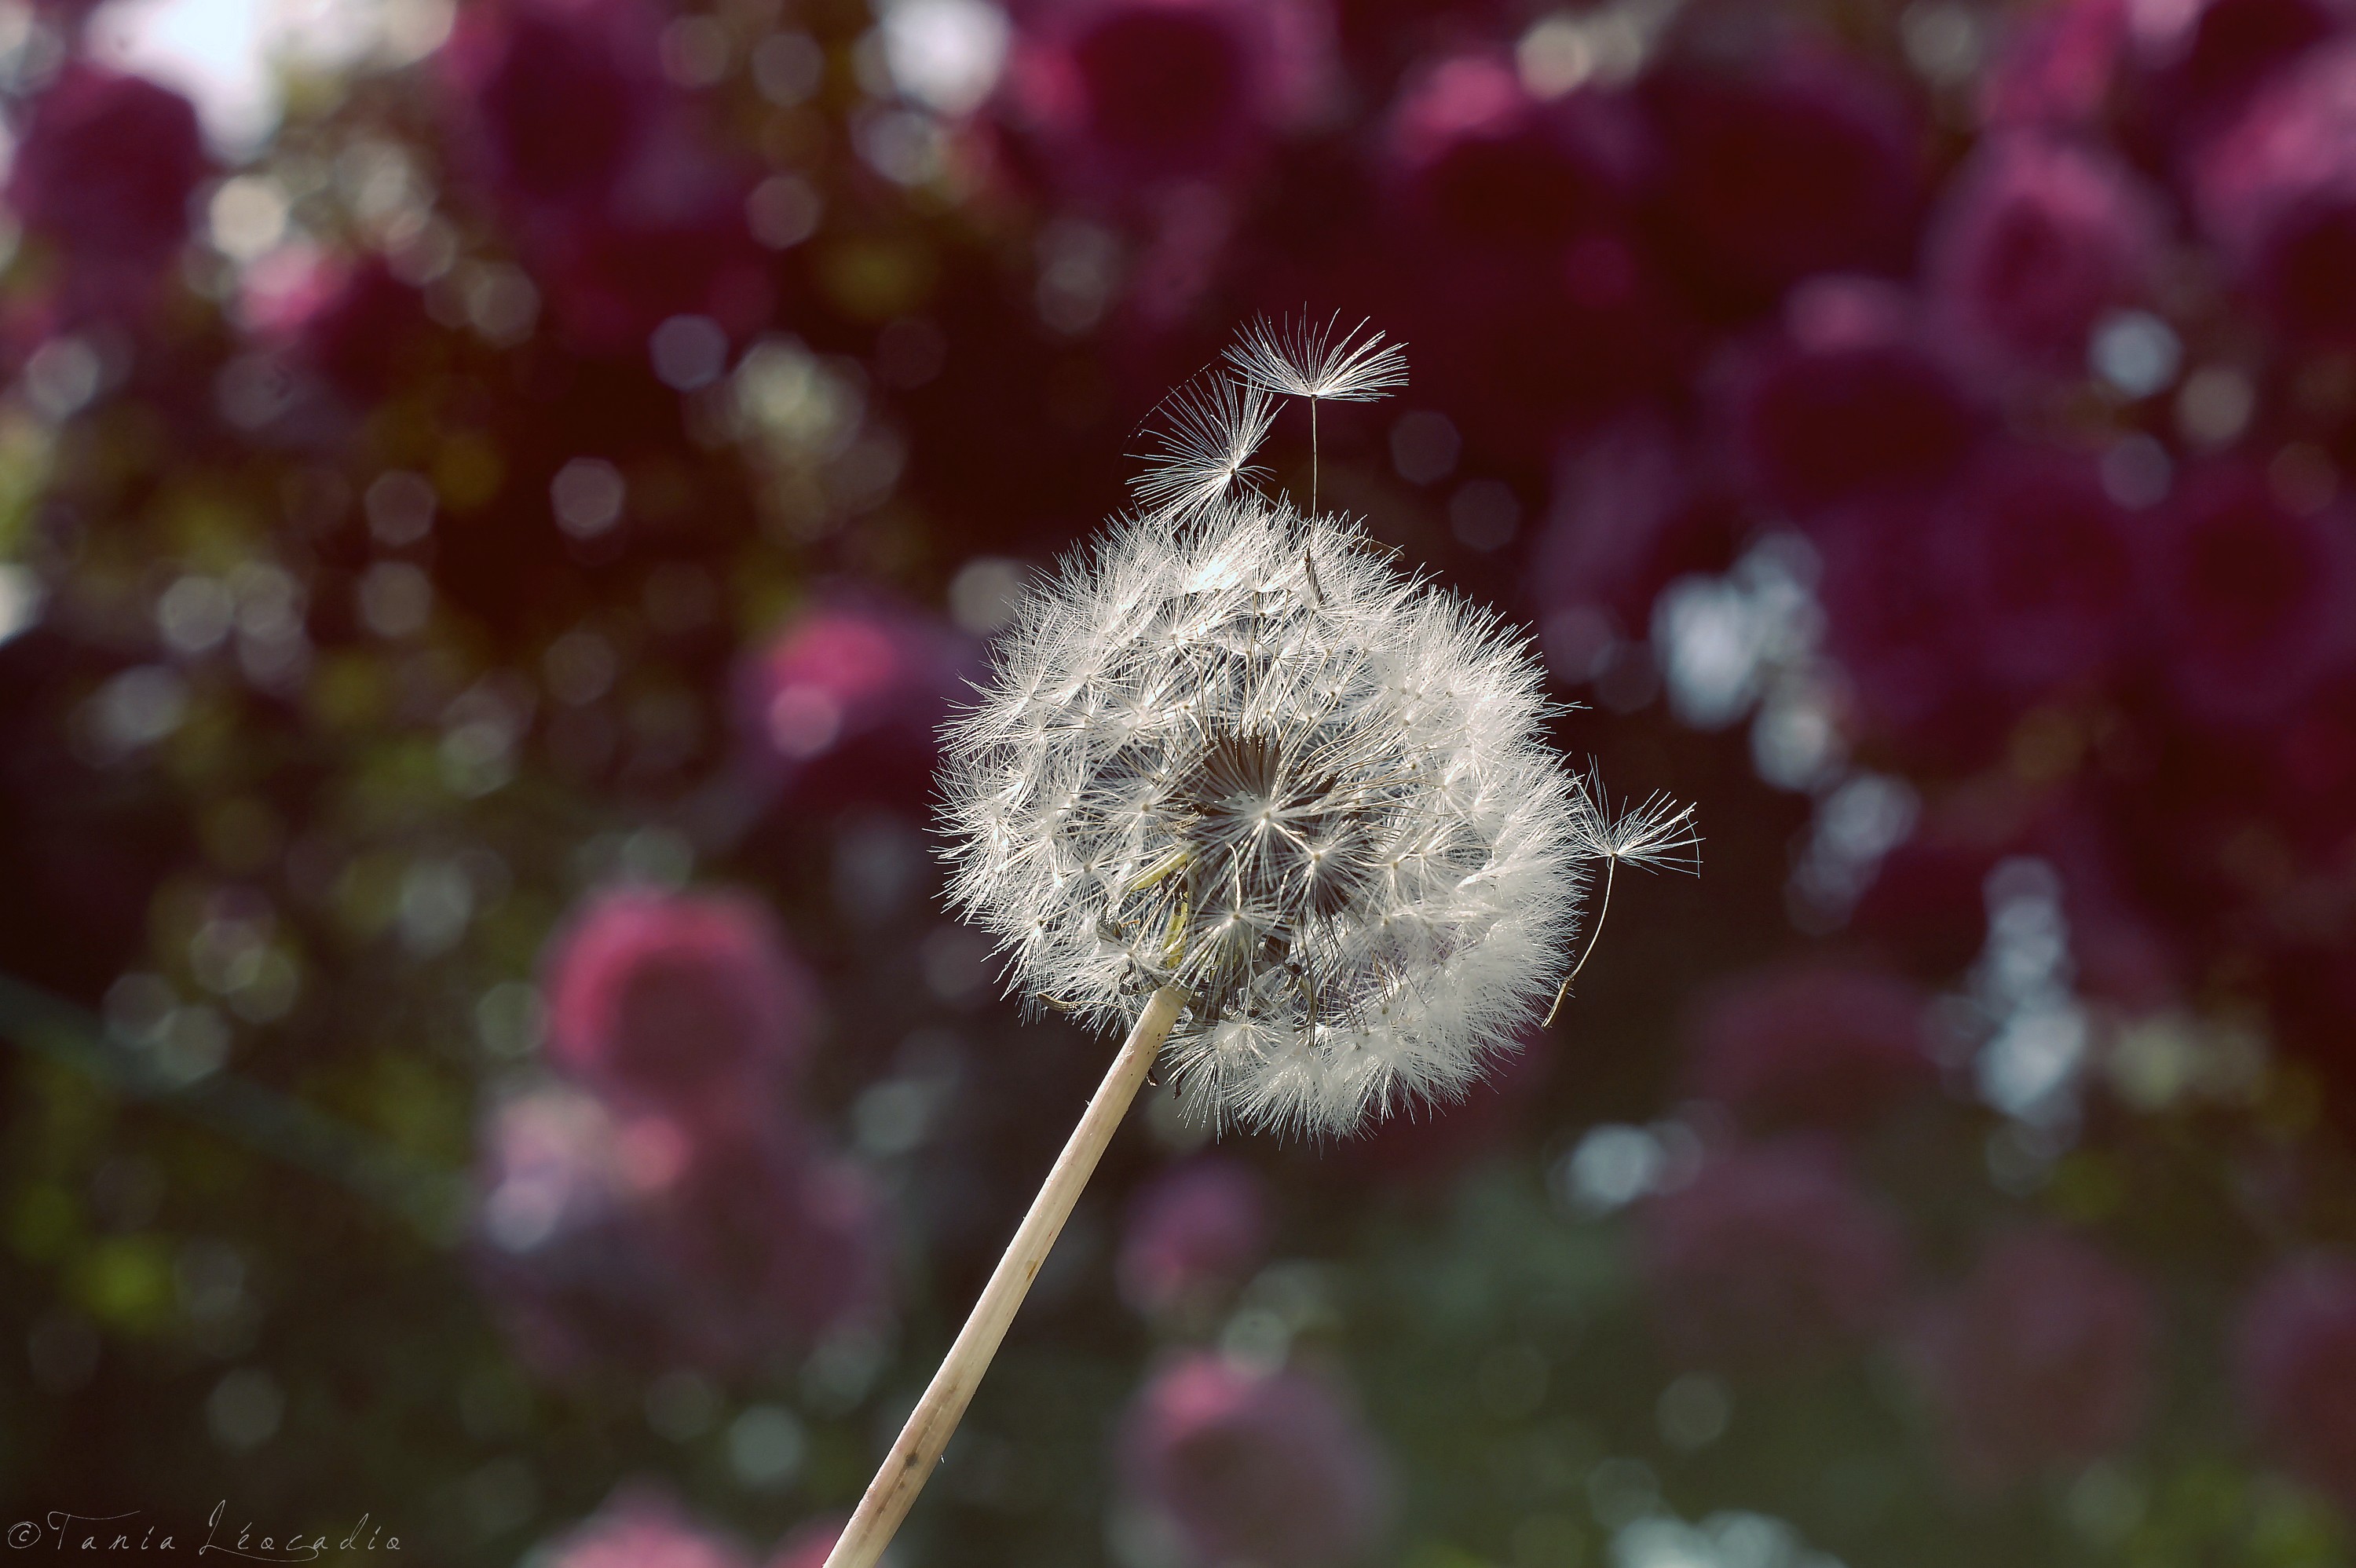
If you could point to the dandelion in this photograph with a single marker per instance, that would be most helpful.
(1216, 423)
(1237, 783)
(1303, 358)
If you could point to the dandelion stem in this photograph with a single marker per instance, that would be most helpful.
(1312, 457)
(910, 1463)
(1602, 908)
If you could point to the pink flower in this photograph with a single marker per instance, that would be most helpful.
(1811, 1043)
(1636, 504)
(1768, 1261)
(1257, 1468)
(1953, 612)
(779, 1243)
(1487, 164)
(633, 1241)
(2040, 1362)
(104, 169)
(2035, 239)
(683, 1003)
(2256, 604)
(849, 693)
(621, 202)
(809, 1545)
(353, 324)
(2276, 192)
(640, 1527)
(560, 98)
(1902, 632)
(2056, 66)
(1806, 162)
(1847, 402)
(2206, 56)
(1120, 93)
(2044, 566)
(1524, 278)
(1195, 1232)
(2294, 1360)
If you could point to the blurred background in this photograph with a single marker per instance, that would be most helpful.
(495, 500)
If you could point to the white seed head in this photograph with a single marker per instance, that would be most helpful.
(1232, 748)
(1216, 424)
(1303, 357)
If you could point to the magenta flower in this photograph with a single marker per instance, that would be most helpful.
(1848, 401)
(2256, 604)
(104, 171)
(1636, 504)
(621, 203)
(2035, 239)
(1123, 92)
(1260, 1468)
(1195, 1232)
(1525, 281)
(1487, 164)
(1899, 629)
(559, 98)
(2208, 55)
(2056, 66)
(1813, 1043)
(777, 1244)
(2276, 192)
(683, 1003)
(352, 323)
(809, 1545)
(1803, 163)
(2295, 1363)
(559, 1247)
(1769, 1260)
(604, 1240)
(640, 1527)
(849, 694)
(2043, 565)
(2040, 1361)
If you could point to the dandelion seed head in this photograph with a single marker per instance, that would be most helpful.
(1214, 425)
(1304, 357)
(1234, 749)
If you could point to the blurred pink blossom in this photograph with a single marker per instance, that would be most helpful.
(622, 204)
(1120, 93)
(1195, 1232)
(606, 1239)
(351, 322)
(683, 1003)
(2206, 56)
(1526, 284)
(1804, 162)
(1815, 1043)
(849, 694)
(1768, 1261)
(2255, 604)
(2056, 66)
(1848, 400)
(2040, 1361)
(641, 1527)
(2296, 1361)
(1254, 1468)
(809, 1545)
(2044, 565)
(2034, 240)
(104, 170)
(2275, 191)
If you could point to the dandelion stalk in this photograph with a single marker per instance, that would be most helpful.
(929, 1427)
(1238, 786)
